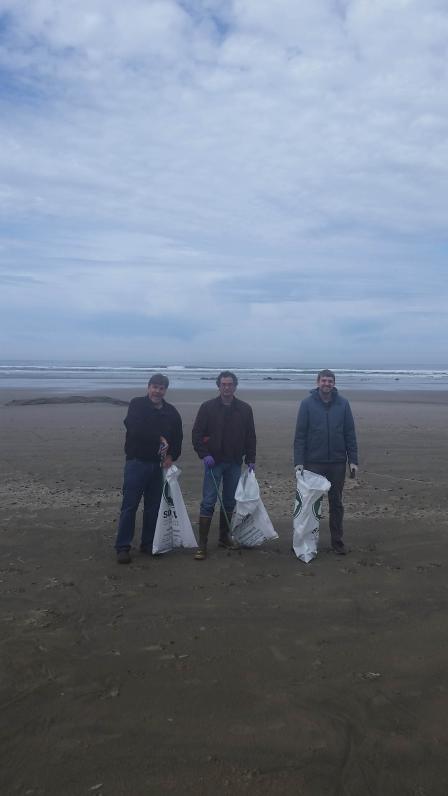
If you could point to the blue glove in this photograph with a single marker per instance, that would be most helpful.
(251, 467)
(209, 462)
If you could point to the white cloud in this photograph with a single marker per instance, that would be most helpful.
(154, 151)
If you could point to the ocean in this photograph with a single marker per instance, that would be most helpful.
(70, 377)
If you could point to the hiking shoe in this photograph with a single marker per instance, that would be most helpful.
(146, 551)
(124, 557)
(339, 548)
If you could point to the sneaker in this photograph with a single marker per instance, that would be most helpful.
(146, 551)
(339, 548)
(124, 557)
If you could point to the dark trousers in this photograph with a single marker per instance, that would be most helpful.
(335, 473)
(141, 480)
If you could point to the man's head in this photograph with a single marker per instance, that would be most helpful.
(157, 387)
(325, 383)
(227, 384)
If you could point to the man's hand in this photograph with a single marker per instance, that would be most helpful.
(299, 469)
(353, 470)
(209, 462)
(163, 449)
(251, 467)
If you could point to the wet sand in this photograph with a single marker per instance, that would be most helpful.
(250, 673)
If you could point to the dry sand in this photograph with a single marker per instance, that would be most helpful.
(250, 673)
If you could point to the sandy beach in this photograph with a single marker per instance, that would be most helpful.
(250, 673)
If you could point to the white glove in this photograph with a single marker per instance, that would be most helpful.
(299, 469)
(163, 449)
(353, 470)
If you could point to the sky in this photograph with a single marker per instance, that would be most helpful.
(229, 181)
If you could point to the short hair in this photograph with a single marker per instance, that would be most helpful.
(326, 372)
(159, 378)
(226, 374)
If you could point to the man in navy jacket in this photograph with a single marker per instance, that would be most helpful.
(153, 441)
(325, 440)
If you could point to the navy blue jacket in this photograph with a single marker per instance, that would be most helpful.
(145, 425)
(325, 433)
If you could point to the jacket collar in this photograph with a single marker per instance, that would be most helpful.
(233, 403)
(316, 396)
(155, 407)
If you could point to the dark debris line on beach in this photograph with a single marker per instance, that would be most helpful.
(68, 399)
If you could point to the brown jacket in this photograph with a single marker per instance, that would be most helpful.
(207, 434)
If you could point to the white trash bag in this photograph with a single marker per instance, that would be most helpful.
(173, 528)
(307, 513)
(251, 525)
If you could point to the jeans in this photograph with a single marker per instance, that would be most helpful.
(229, 473)
(335, 473)
(141, 479)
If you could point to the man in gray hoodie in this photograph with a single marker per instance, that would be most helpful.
(325, 440)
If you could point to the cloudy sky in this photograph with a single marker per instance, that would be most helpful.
(255, 181)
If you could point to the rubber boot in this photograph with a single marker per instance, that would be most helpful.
(225, 538)
(204, 527)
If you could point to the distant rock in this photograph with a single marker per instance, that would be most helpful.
(68, 399)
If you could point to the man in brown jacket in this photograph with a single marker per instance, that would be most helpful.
(223, 435)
